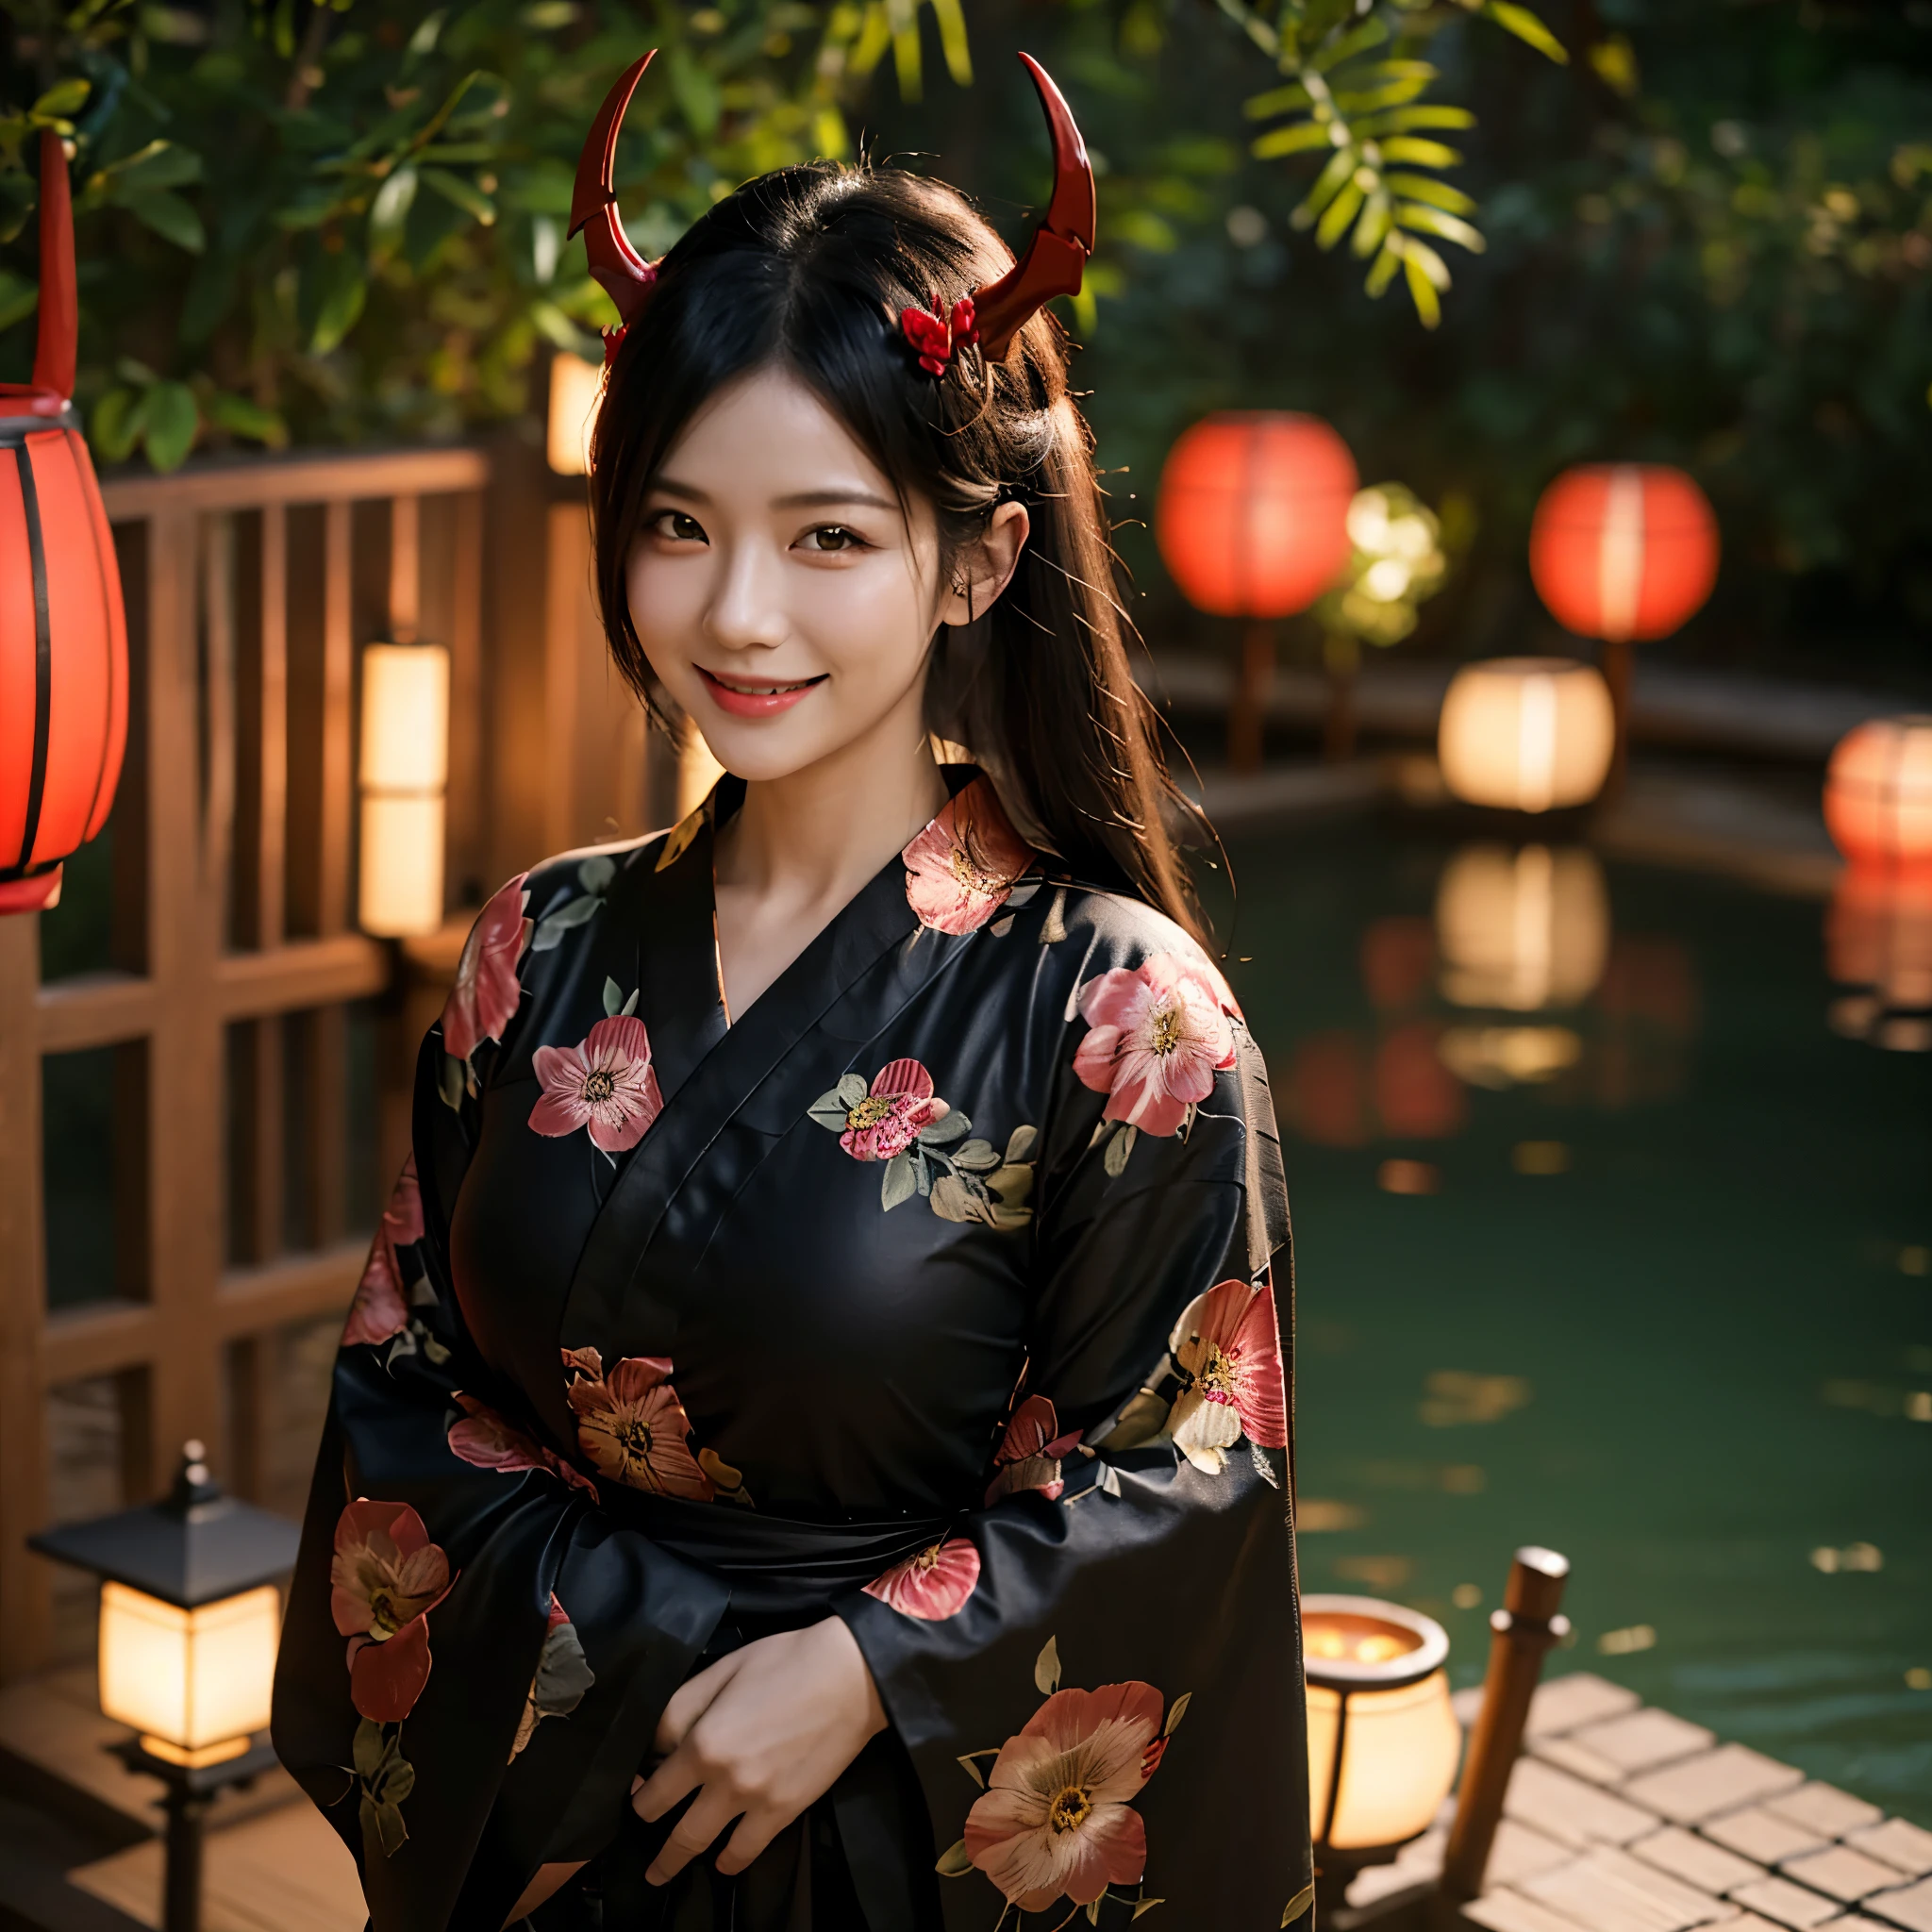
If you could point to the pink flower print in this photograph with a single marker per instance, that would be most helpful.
(1158, 1036)
(1057, 1819)
(605, 1083)
(1029, 1454)
(959, 870)
(484, 998)
(380, 1310)
(886, 1121)
(385, 1579)
(932, 1586)
(1228, 1345)
(632, 1427)
(484, 1441)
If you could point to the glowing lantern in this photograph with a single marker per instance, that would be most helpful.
(1527, 734)
(1521, 931)
(1252, 520)
(576, 388)
(190, 1619)
(1625, 552)
(63, 637)
(1383, 1740)
(1878, 795)
(405, 768)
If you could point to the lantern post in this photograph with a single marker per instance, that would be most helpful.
(1252, 520)
(1626, 552)
(190, 1619)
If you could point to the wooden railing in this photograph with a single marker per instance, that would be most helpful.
(233, 965)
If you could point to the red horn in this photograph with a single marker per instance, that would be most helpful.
(626, 276)
(1057, 252)
(57, 338)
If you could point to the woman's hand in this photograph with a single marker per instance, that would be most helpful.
(758, 1736)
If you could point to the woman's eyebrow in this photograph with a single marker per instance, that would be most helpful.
(824, 499)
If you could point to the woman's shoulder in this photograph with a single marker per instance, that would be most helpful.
(1101, 929)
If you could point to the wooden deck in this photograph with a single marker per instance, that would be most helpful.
(1623, 1818)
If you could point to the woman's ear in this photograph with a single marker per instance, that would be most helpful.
(985, 567)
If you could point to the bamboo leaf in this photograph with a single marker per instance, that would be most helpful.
(162, 209)
(1373, 227)
(461, 193)
(1422, 292)
(1341, 211)
(1293, 140)
(1397, 93)
(238, 416)
(63, 98)
(1524, 24)
(1371, 33)
(1407, 119)
(1432, 220)
(953, 43)
(1421, 154)
(1328, 184)
(1386, 264)
(1279, 100)
(1426, 188)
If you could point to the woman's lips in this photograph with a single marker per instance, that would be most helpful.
(746, 699)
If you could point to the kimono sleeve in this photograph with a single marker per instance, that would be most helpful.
(1133, 1563)
(474, 1658)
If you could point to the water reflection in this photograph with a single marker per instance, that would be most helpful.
(1878, 939)
(1539, 992)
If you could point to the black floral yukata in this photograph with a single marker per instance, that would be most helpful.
(939, 1292)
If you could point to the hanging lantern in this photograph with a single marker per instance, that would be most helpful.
(1383, 1740)
(1253, 513)
(1522, 932)
(1625, 552)
(576, 389)
(1252, 520)
(1878, 795)
(63, 639)
(1527, 734)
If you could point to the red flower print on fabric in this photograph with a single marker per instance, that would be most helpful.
(385, 1579)
(888, 1118)
(1057, 1818)
(1158, 1036)
(381, 1310)
(1029, 1456)
(961, 867)
(484, 998)
(484, 1441)
(605, 1083)
(1229, 1347)
(932, 1586)
(632, 1427)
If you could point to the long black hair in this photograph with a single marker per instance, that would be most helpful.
(807, 269)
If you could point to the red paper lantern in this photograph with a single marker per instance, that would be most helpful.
(1878, 795)
(63, 637)
(1252, 517)
(1625, 552)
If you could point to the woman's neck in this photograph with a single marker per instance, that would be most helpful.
(800, 848)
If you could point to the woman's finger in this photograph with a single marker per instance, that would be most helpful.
(693, 1698)
(697, 1830)
(672, 1781)
(756, 1830)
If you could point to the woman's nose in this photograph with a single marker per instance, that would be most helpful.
(747, 607)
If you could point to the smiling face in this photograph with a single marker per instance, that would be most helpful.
(780, 593)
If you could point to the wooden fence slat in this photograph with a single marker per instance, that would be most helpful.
(351, 477)
(338, 677)
(24, 1603)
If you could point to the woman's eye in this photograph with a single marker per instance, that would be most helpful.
(678, 526)
(832, 537)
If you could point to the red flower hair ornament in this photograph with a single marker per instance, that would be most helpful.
(934, 337)
(994, 316)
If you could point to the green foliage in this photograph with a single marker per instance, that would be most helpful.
(1354, 97)
(346, 221)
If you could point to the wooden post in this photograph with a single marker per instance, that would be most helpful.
(1525, 1628)
(1616, 669)
(1247, 718)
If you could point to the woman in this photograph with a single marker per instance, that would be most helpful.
(815, 1421)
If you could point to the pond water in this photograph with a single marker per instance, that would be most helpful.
(1620, 1250)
